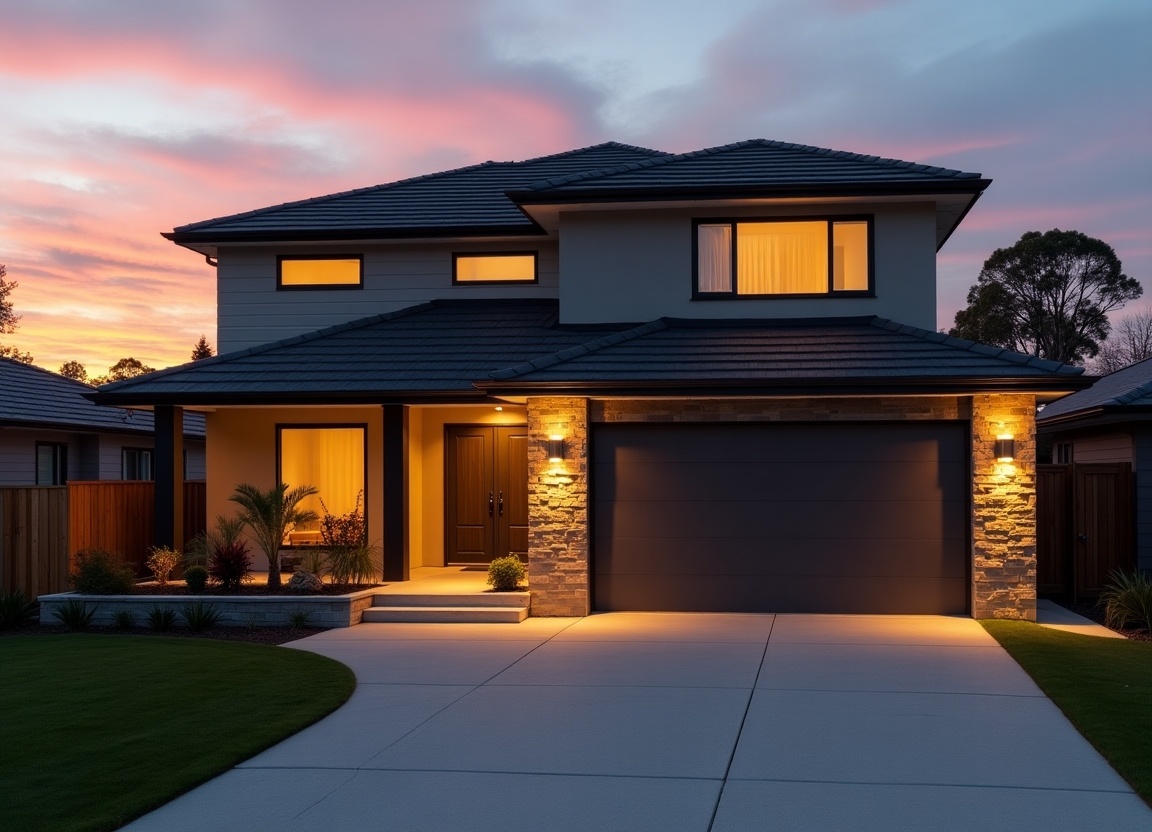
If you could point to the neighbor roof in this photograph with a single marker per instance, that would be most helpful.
(1126, 391)
(461, 350)
(33, 397)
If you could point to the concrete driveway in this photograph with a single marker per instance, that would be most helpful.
(670, 722)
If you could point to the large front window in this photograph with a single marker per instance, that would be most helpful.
(331, 459)
(789, 257)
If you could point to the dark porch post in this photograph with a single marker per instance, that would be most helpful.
(396, 532)
(169, 470)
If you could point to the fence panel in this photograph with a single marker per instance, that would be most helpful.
(34, 539)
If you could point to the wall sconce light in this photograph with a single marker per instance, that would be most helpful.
(1005, 448)
(555, 448)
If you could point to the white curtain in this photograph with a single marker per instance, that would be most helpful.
(330, 459)
(714, 258)
(781, 258)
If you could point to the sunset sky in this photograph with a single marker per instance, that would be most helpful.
(123, 118)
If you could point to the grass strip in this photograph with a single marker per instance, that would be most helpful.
(98, 730)
(1103, 686)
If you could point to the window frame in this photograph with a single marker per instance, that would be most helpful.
(828, 219)
(151, 453)
(59, 463)
(317, 287)
(535, 255)
(362, 426)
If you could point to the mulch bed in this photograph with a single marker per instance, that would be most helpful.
(178, 588)
(1096, 613)
(254, 635)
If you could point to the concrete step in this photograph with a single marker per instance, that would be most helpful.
(447, 615)
(473, 599)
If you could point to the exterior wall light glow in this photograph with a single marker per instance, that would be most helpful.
(1005, 448)
(555, 448)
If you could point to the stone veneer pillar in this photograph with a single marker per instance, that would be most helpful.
(558, 507)
(1004, 509)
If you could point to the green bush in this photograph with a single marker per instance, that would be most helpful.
(230, 564)
(124, 619)
(299, 619)
(360, 564)
(15, 608)
(200, 616)
(505, 574)
(99, 572)
(161, 562)
(1127, 600)
(75, 614)
(196, 577)
(161, 618)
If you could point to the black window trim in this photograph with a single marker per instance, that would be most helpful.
(59, 463)
(535, 255)
(317, 287)
(829, 219)
(151, 452)
(362, 426)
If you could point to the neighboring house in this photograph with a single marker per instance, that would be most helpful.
(50, 433)
(1110, 422)
(705, 381)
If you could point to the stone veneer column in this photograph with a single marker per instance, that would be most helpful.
(1004, 509)
(558, 507)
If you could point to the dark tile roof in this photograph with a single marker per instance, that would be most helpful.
(453, 201)
(1130, 387)
(454, 349)
(778, 351)
(31, 396)
(757, 164)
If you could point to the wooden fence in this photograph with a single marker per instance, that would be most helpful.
(41, 527)
(34, 539)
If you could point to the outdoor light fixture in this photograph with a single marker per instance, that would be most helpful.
(1005, 448)
(555, 448)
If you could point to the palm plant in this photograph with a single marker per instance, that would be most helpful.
(271, 515)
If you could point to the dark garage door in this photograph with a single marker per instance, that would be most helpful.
(860, 518)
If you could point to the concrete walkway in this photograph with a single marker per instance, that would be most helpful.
(673, 722)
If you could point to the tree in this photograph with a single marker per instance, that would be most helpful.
(9, 320)
(74, 370)
(122, 369)
(271, 515)
(202, 349)
(1131, 341)
(1048, 295)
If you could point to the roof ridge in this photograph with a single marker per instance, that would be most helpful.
(552, 359)
(620, 145)
(668, 159)
(976, 347)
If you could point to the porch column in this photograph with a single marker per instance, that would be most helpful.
(168, 459)
(1004, 508)
(396, 531)
(558, 507)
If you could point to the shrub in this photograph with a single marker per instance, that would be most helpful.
(161, 618)
(230, 564)
(505, 574)
(305, 583)
(200, 616)
(358, 564)
(75, 614)
(199, 548)
(99, 572)
(314, 561)
(161, 562)
(1127, 600)
(124, 619)
(15, 608)
(196, 577)
(299, 619)
(343, 530)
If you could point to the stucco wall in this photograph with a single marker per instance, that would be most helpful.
(619, 266)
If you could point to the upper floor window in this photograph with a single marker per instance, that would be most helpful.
(495, 267)
(51, 463)
(313, 272)
(783, 257)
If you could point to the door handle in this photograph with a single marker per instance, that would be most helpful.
(489, 503)
(501, 503)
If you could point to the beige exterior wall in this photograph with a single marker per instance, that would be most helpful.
(619, 266)
(250, 311)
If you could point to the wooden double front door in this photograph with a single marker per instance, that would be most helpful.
(486, 493)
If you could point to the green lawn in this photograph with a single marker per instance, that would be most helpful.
(1103, 685)
(98, 729)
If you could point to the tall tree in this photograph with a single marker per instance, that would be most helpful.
(9, 320)
(74, 370)
(202, 349)
(1048, 295)
(122, 369)
(1130, 341)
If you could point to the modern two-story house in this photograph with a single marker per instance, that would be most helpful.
(705, 382)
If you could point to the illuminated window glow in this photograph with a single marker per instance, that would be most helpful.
(312, 272)
(494, 268)
(329, 459)
(808, 257)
